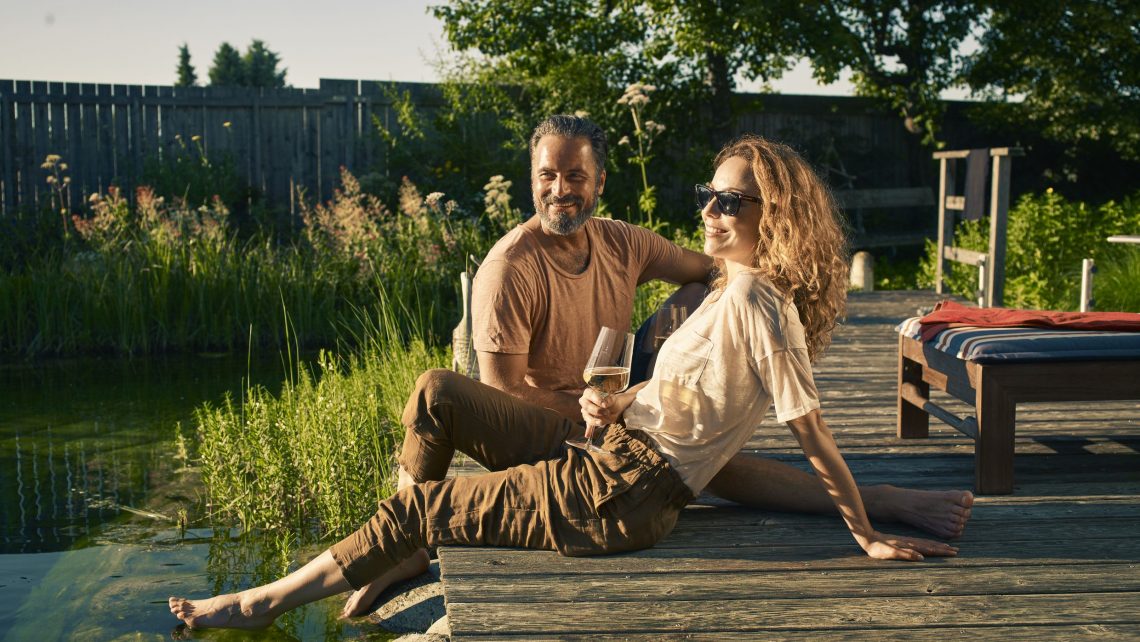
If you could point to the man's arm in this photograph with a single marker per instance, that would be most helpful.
(507, 372)
(693, 267)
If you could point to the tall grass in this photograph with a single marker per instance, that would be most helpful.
(318, 458)
(158, 276)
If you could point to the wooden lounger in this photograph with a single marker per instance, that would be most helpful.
(994, 369)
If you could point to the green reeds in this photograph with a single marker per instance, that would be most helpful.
(316, 460)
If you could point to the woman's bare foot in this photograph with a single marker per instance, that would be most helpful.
(941, 513)
(230, 611)
(361, 599)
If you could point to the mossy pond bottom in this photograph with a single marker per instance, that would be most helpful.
(90, 486)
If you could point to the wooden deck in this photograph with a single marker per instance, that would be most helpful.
(1057, 560)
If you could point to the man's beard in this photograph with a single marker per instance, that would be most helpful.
(564, 225)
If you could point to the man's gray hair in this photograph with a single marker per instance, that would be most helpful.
(568, 126)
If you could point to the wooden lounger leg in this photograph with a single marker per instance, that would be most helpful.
(993, 450)
(913, 421)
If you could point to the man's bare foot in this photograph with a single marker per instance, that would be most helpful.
(230, 611)
(941, 513)
(361, 599)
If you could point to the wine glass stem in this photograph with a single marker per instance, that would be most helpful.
(604, 396)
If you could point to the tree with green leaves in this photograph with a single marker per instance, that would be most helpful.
(902, 52)
(261, 66)
(1070, 68)
(228, 69)
(575, 55)
(187, 77)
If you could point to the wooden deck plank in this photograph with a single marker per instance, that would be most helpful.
(820, 616)
(900, 581)
(1114, 632)
(1058, 560)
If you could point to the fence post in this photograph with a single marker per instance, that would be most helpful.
(1088, 271)
(7, 172)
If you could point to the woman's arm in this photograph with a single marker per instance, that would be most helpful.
(597, 411)
(818, 444)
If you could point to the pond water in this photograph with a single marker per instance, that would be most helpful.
(90, 484)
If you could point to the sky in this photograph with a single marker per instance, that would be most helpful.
(135, 42)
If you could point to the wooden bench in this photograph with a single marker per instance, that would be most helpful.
(855, 201)
(994, 389)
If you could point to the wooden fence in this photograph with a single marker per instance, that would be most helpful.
(279, 139)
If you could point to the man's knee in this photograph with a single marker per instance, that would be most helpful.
(433, 387)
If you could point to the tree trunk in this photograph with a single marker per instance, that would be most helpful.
(718, 79)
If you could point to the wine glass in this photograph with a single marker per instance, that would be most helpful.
(607, 370)
(668, 319)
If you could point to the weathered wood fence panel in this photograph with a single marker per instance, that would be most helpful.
(278, 139)
(284, 139)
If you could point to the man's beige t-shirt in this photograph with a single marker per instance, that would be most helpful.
(740, 352)
(523, 303)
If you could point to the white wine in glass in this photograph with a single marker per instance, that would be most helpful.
(607, 370)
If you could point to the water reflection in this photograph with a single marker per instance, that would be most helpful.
(81, 439)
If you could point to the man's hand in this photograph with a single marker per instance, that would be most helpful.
(882, 546)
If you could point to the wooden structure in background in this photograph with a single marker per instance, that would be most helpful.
(950, 201)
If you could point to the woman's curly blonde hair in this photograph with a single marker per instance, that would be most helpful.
(803, 246)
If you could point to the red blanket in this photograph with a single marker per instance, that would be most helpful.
(948, 314)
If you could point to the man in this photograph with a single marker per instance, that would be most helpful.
(549, 285)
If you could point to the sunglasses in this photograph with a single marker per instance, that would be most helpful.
(728, 202)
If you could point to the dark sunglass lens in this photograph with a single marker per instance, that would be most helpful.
(729, 203)
(704, 195)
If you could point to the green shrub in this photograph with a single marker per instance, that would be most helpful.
(1047, 238)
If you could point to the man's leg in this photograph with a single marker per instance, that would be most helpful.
(449, 412)
(768, 484)
(258, 607)
(505, 508)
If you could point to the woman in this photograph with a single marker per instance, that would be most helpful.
(772, 226)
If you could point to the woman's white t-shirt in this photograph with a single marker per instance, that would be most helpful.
(742, 350)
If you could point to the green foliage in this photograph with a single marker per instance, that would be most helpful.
(1047, 238)
(896, 274)
(187, 77)
(453, 147)
(261, 66)
(228, 69)
(163, 275)
(903, 53)
(187, 173)
(257, 68)
(318, 458)
(1117, 283)
(1075, 67)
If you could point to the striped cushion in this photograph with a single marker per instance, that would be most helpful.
(1004, 345)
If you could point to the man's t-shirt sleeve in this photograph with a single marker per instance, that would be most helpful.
(502, 308)
(653, 252)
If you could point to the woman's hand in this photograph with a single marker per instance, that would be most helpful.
(882, 546)
(597, 411)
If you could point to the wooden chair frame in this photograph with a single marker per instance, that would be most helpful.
(994, 390)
